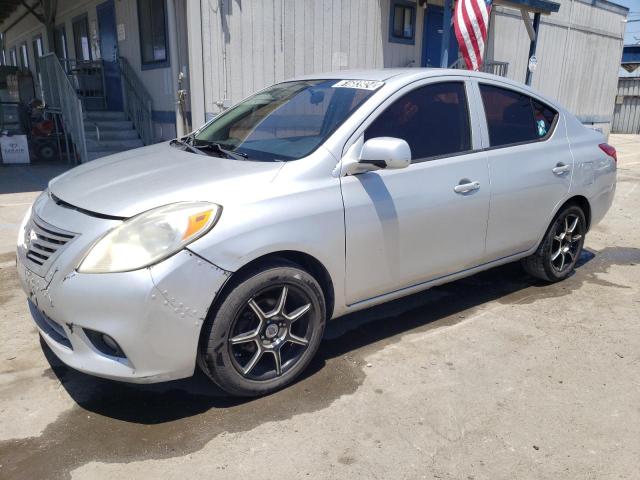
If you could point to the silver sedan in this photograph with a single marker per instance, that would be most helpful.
(230, 248)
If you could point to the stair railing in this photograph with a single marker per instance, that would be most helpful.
(494, 67)
(61, 96)
(138, 104)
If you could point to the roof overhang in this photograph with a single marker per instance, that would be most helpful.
(7, 7)
(630, 57)
(536, 6)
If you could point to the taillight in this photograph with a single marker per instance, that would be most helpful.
(609, 150)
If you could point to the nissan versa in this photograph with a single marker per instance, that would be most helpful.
(230, 248)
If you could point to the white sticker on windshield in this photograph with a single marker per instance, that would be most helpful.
(361, 84)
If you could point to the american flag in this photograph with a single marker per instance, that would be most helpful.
(470, 21)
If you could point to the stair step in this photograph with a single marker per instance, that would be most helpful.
(107, 145)
(108, 125)
(105, 115)
(111, 134)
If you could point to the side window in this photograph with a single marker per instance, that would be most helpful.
(513, 117)
(434, 121)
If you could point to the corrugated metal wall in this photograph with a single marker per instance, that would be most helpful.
(251, 44)
(626, 115)
(579, 51)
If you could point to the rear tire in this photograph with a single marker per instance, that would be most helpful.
(556, 257)
(265, 331)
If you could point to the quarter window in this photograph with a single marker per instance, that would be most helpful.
(544, 117)
(434, 121)
(513, 117)
(153, 33)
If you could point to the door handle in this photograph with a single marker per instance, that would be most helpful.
(561, 168)
(466, 187)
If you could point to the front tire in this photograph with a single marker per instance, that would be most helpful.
(266, 330)
(556, 257)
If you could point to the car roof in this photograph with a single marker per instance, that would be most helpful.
(410, 74)
(382, 74)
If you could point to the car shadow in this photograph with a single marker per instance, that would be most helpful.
(437, 307)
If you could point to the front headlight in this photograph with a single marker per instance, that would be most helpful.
(23, 225)
(150, 237)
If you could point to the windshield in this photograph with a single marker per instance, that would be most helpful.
(285, 122)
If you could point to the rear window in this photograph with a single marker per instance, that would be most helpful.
(513, 117)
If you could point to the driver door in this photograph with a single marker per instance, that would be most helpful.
(409, 226)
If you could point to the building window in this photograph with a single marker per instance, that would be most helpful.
(402, 22)
(3, 58)
(60, 42)
(38, 50)
(24, 56)
(152, 18)
(13, 57)
(81, 38)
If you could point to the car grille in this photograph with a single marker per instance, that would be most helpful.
(44, 240)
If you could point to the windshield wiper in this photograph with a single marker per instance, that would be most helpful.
(187, 146)
(219, 148)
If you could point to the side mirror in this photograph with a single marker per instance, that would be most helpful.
(385, 152)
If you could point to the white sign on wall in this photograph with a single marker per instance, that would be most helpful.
(14, 149)
(121, 34)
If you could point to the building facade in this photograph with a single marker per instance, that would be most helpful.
(190, 59)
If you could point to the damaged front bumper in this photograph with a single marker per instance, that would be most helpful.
(141, 326)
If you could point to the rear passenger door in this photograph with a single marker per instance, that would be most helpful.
(411, 225)
(530, 166)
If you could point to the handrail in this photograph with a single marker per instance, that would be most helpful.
(59, 94)
(138, 103)
(87, 76)
(495, 67)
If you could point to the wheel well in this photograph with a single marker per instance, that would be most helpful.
(583, 203)
(305, 261)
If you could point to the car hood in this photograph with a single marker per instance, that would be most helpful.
(134, 181)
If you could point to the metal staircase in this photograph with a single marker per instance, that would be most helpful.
(108, 132)
(97, 133)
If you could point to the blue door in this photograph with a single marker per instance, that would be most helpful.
(109, 50)
(432, 39)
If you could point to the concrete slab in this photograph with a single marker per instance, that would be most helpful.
(492, 377)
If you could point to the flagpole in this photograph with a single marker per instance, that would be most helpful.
(446, 33)
(532, 46)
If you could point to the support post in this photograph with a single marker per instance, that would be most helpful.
(533, 45)
(446, 34)
(175, 67)
(196, 63)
